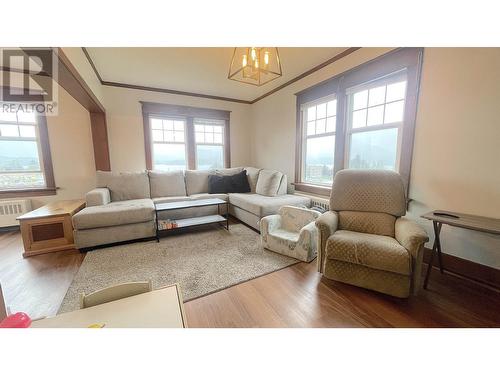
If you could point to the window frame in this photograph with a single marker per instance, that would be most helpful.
(153, 142)
(188, 114)
(305, 137)
(383, 81)
(395, 62)
(46, 167)
(196, 143)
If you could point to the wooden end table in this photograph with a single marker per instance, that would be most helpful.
(456, 219)
(49, 228)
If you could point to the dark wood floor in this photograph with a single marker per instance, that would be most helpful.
(296, 296)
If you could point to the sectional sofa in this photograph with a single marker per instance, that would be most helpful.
(122, 206)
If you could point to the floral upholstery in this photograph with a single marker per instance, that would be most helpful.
(364, 240)
(291, 232)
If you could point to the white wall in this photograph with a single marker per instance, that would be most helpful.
(71, 150)
(125, 125)
(457, 142)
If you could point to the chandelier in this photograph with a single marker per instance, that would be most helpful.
(255, 65)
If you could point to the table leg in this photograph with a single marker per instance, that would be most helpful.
(436, 247)
(227, 215)
(157, 231)
(437, 232)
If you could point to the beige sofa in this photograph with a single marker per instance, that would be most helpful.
(122, 206)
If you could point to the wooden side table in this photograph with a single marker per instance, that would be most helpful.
(49, 228)
(456, 219)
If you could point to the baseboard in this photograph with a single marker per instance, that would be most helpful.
(466, 268)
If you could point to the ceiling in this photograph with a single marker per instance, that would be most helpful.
(197, 70)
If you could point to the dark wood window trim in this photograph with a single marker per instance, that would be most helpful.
(150, 109)
(408, 59)
(48, 171)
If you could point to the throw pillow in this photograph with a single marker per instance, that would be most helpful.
(268, 182)
(236, 183)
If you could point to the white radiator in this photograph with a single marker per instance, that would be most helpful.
(317, 201)
(10, 210)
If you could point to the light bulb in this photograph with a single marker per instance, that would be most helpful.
(257, 64)
(253, 53)
(244, 62)
(266, 57)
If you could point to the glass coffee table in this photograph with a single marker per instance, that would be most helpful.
(193, 221)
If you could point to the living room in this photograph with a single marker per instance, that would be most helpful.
(161, 184)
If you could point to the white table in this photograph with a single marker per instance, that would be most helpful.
(160, 308)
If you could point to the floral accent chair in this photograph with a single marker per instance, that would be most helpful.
(291, 232)
(365, 240)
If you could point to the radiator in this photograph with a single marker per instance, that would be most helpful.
(324, 203)
(10, 210)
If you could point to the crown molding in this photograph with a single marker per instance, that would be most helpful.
(215, 97)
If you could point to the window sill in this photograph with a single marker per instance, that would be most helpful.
(33, 192)
(313, 189)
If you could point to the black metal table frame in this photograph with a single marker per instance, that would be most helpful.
(436, 247)
(158, 231)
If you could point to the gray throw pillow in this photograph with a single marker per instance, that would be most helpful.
(268, 182)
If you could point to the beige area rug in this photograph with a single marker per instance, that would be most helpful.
(201, 261)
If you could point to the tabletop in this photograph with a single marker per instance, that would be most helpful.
(457, 219)
(160, 308)
(56, 208)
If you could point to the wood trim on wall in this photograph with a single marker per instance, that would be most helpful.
(409, 59)
(160, 109)
(465, 268)
(100, 141)
(339, 56)
(75, 85)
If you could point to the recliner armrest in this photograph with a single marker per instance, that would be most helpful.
(327, 224)
(98, 197)
(410, 235)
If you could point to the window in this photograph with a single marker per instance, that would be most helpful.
(363, 118)
(375, 124)
(209, 138)
(23, 144)
(169, 146)
(179, 137)
(319, 141)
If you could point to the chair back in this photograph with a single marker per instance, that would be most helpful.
(114, 293)
(294, 218)
(3, 306)
(367, 190)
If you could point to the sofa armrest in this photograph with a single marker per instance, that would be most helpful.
(327, 224)
(412, 237)
(98, 197)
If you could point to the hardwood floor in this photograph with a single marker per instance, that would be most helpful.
(296, 296)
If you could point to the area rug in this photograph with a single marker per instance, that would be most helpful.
(201, 261)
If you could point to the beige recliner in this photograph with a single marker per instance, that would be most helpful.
(364, 240)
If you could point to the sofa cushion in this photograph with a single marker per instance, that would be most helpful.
(222, 196)
(236, 183)
(261, 205)
(369, 250)
(268, 182)
(253, 176)
(167, 184)
(367, 222)
(180, 198)
(124, 186)
(115, 213)
(197, 181)
(228, 171)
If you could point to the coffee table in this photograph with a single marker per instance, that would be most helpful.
(193, 221)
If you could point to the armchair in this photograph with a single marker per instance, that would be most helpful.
(291, 232)
(364, 240)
